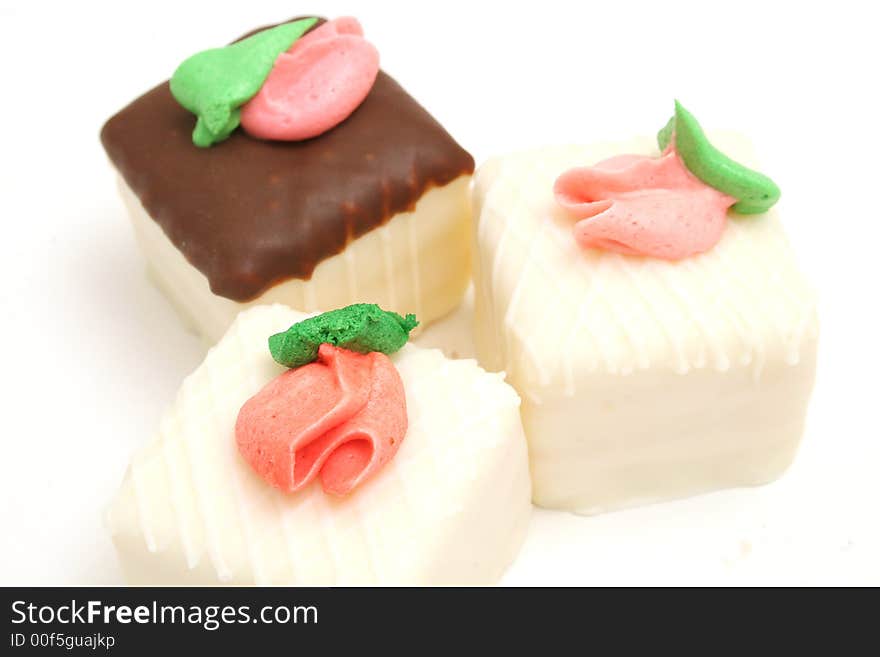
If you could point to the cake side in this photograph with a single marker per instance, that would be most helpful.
(450, 508)
(642, 379)
(631, 440)
(418, 262)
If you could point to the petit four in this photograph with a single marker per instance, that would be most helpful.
(288, 168)
(649, 310)
(326, 451)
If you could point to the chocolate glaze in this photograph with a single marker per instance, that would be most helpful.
(249, 214)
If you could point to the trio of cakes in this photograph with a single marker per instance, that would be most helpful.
(642, 329)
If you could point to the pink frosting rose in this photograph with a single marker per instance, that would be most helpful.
(646, 206)
(340, 418)
(315, 85)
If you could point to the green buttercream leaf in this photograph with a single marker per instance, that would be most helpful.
(665, 134)
(214, 83)
(203, 136)
(363, 327)
(755, 192)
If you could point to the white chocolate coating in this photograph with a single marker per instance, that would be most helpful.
(452, 507)
(642, 380)
(418, 262)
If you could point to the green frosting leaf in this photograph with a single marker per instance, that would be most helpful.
(363, 327)
(665, 134)
(755, 192)
(214, 83)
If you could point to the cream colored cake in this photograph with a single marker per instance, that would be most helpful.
(642, 379)
(418, 262)
(450, 508)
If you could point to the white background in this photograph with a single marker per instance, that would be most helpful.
(92, 353)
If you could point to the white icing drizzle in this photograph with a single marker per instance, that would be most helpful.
(413, 237)
(229, 495)
(495, 258)
(388, 260)
(141, 503)
(351, 273)
(189, 524)
(310, 296)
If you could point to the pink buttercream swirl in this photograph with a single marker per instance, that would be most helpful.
(315, 85)
(340, 418)
(646, 206)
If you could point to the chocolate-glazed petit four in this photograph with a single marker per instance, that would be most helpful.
(288, 168)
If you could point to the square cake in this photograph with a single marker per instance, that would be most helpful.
(451, 507)
(374, 209)
(642, 379)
